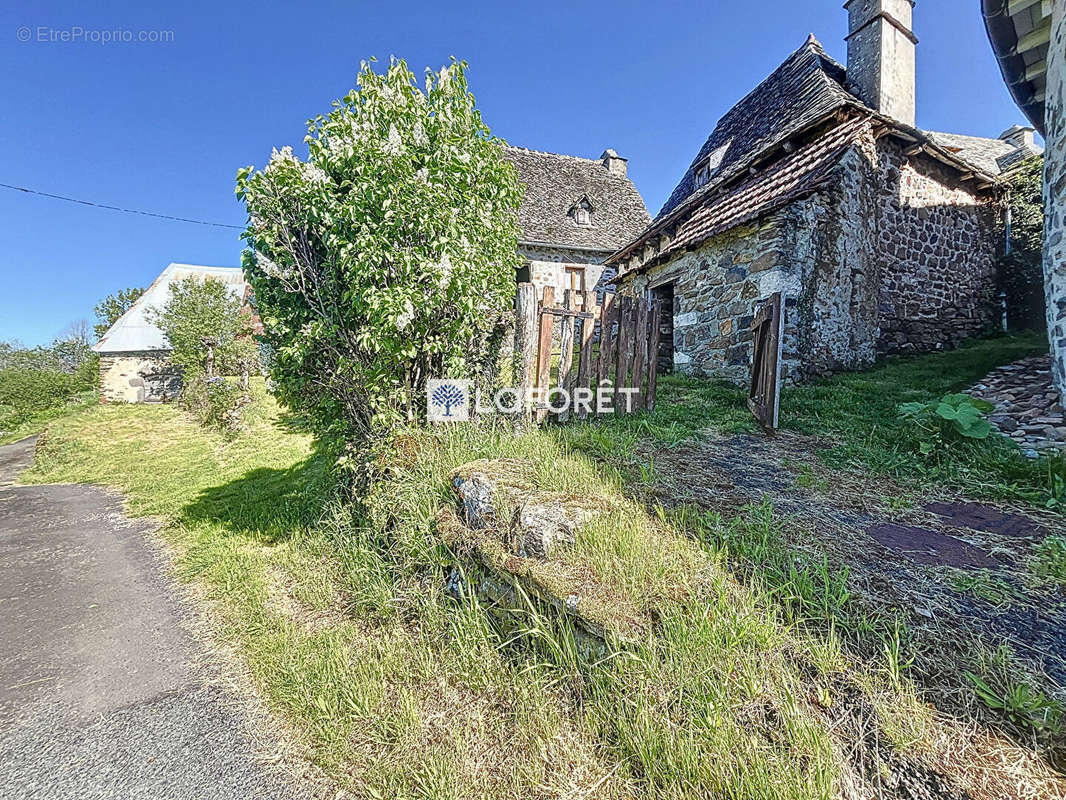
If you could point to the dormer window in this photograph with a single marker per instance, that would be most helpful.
(581, 212)
(706, 169)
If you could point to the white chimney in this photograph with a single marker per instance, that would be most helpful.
(1020, 136)
(615, 164)
(881, 49)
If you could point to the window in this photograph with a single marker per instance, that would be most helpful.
(709, 166)
(581, 212)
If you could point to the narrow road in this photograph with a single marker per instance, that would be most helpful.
(103, 690)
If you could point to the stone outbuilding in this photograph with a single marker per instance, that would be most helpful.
(575, 212)
(134, 358)
(882, 238)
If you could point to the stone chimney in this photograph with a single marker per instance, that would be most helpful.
(1020, 136)
(881, 56)
(616, 165)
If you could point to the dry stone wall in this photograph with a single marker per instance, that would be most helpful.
(137, 377)
(937, 242)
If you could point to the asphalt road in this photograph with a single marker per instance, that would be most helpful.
(104, 691)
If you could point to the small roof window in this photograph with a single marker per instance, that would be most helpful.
(581, 212)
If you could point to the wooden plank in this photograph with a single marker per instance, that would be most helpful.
(640, 352)
(566, 348)
(623, 352)
(764, 395)
(608, 314)
(526, 319)
(584, 359)
(653, 354)
(544, 349)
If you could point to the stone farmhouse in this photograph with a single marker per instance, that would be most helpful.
(881, 237)
(134, 357)
(575, 213)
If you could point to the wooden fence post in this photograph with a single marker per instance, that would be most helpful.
(544, 349)
(566, 347)
(623, 357)
(608, 314)
(653, 353)
(584, 361)
(526, 338)
(640, 352)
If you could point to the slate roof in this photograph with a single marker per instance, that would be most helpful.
(795, 176)
(797, 99)
(807, 87)
(994, 156)
(132, 332)
(554, 183)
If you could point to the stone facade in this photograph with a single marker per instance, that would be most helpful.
(893, 254)
(138, 377)
(553, 266)
(1055, 197)
(937, 242)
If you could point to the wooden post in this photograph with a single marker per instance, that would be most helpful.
(623, 358)
(526, 338)
(608, 314)
(640, 352)
(584, 360)
(653, 353)
(544, 348)
(566, 348)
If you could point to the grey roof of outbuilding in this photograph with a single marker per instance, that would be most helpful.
(804, 89)
(134, 332)
(994, 156)
(807, 88)
(555, 182)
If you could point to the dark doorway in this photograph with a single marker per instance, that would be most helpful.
(665, 293)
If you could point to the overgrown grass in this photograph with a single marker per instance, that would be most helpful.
(859, 413)
(400, 689)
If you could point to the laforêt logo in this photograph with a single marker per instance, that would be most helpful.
(448, 400)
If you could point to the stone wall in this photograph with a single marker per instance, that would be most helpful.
(137, 377)
(1055, 197)
(937, 242)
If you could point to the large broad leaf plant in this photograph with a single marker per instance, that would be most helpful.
(954, 417)
(388, 255)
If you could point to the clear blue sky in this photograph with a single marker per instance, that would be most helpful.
(164, 127)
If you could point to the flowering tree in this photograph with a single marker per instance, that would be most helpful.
(388, 256)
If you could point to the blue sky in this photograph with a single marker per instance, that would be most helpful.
(165, 126)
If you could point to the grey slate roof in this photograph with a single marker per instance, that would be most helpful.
(133, 332)
(554, 183)
(994, 156)
(803, 90)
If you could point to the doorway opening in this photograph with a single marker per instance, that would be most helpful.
(665, 293)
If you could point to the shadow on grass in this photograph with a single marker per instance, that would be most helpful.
(268, 505)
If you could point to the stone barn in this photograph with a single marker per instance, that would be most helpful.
(134, 358)
(882, 238)
(575, 212)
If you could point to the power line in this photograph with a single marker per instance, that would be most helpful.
(123, 210)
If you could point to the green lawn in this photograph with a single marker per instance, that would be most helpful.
(399, 689)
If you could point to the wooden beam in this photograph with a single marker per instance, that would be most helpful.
(1038, 37)
(1016, 6)
(913, 151)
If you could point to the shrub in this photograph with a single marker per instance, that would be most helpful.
(1021, 274)
(26, 392)
(215, 402)
(952, 418)
(387, 257)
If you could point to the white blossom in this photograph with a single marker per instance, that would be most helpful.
(408, 314)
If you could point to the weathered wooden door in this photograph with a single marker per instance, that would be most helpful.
(767, 332)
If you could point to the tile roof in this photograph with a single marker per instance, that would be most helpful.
(807, 87)
(994, 156)
(132, 332)
(554, 183)
(795, 176)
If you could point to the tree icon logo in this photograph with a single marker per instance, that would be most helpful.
(448, 401)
